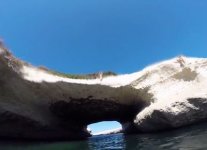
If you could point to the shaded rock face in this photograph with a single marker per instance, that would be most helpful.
(87, 111)
(27, 113)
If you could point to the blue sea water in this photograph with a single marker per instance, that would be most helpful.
(188, 138)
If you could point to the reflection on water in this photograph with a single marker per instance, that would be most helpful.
(188, 138)
(108, 142)
(44, 146)
(193, 137)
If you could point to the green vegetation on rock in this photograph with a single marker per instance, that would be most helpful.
(79, 76)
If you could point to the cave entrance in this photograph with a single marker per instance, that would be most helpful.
(104, 127)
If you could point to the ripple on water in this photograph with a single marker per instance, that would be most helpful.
(188, 138)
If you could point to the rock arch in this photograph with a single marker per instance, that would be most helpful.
(58, 110)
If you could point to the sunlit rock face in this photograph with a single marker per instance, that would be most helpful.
(178, 89)
(36, 103)
(189, 111)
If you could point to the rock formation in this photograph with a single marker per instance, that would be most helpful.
(57, 110)
(179, 95)
(37, 104)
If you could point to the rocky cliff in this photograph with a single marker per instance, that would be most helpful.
(40, 105)
(35, 104)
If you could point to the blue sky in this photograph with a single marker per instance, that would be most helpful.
(79, 36)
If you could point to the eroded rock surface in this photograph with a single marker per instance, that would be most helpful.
(190, 111)
(36, 104)
(58, 110)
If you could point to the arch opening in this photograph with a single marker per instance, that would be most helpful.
(104, 127)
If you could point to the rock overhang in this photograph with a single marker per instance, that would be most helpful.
(62, 109)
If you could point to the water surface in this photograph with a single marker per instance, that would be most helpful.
(188, 138)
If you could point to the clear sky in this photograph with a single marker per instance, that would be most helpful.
(85, 36)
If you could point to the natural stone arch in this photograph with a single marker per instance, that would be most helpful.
(59, 110)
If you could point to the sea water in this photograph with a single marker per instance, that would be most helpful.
(188, 138)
